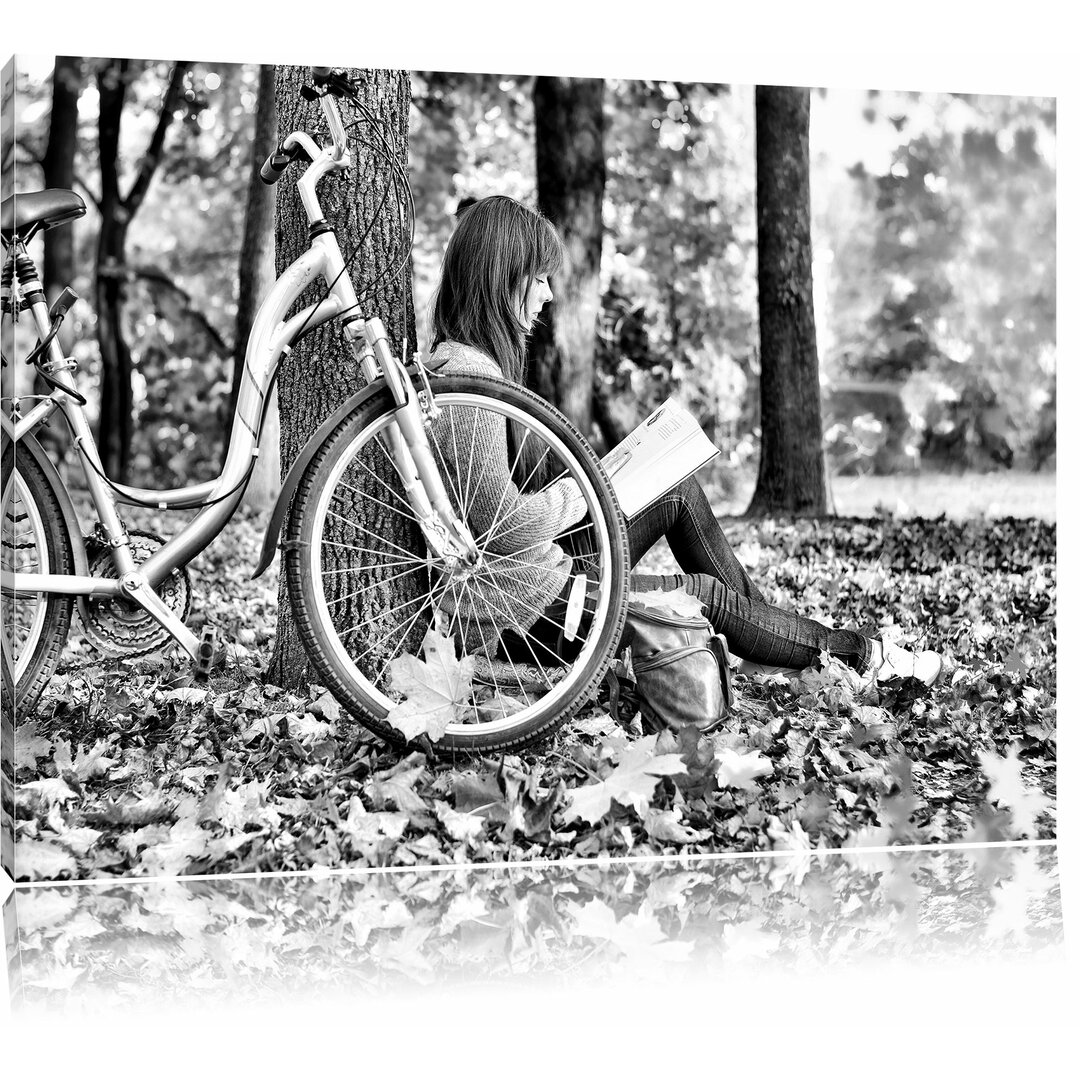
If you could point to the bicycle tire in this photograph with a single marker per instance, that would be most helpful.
(337, 652)
(35, 539)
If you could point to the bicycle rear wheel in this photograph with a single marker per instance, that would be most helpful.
(34, 540)
(366, 593)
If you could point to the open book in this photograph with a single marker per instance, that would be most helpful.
(659, 453)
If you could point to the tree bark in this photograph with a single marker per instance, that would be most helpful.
(320, 373)
(791, 473)
(255, 280)
(570, 177)
(58, 169)
(117, 210)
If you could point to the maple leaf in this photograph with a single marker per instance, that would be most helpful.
(29, 746)
(1007, 788)
(396, 786)
(677, 601)
(326, 706)
(367, 829)
(740, 770)
(52, 789)
(1017, 663)
(666, 826)
(433, 687)
(179, 845)
(78, 840)
(307, 729)
(189, 695)
(92, 763)
(460, 826)
(631, 783)
(42, 860)
(472, 792)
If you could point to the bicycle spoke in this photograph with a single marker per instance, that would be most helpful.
(411, 516)
(490, 533)
(525, 635)
(373, 585)
(354, 547)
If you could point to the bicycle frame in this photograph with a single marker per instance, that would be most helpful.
(270, 340)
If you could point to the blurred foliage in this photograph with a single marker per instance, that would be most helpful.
(182, 256)
(941, 273)
(934, 255)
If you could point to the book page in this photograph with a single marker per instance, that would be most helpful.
(660, 452)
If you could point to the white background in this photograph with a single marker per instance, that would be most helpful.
(872, 1022)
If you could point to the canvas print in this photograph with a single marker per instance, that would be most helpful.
(424, 468)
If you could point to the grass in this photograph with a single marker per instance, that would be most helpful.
(926, 495)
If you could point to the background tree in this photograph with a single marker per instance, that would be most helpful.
(791, 471)
(58, 169)
(255, 280)
(570, 177)
(320, 372)
(117, 211)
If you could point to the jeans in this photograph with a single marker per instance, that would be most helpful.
(755, 629)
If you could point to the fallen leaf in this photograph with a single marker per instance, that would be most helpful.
(741, 770)
(29, 746)
(676, 601)
(460, 826)
(42, 860)
(665, 826)
(631, 783)
(433, 687)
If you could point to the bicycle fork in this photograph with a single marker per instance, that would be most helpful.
(447, 536)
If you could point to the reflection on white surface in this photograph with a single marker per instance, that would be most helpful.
(257, 939)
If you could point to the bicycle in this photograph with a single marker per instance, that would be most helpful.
(361, 602)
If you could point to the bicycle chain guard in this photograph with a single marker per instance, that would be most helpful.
(118, 627)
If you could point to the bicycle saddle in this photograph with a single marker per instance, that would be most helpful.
(26, 212)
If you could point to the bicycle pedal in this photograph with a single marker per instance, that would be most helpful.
(211, 654)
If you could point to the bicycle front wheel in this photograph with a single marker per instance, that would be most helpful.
(367, 594)
(34, 540)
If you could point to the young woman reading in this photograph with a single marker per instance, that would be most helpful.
(496, 279)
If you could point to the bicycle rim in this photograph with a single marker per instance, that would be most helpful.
(511, 699)
(25, 550)
(34, 540)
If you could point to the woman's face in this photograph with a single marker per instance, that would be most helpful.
(535, 293)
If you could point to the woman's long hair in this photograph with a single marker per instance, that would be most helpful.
(498, 247)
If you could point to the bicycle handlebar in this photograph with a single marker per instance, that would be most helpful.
(333, 83)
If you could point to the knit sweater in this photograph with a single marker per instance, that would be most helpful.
(524, 569)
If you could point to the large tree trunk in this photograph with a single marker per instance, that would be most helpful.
(570, 176)
(116, 423)
(58, 171)
(791, 474)
(255, 280)
(320, 373)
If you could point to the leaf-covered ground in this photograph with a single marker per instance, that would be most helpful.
(130, 767)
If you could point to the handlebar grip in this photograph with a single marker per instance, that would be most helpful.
(274, 166)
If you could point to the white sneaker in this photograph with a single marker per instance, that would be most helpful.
(890, 661)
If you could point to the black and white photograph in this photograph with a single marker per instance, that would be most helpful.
(524, 530)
